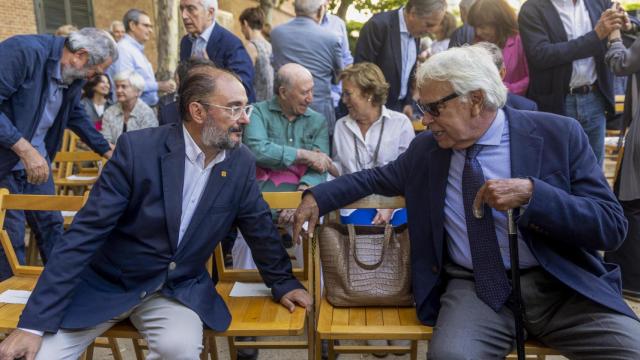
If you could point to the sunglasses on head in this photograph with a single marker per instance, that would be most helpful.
(433, 108)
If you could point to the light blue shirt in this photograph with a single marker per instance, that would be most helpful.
(199, 47)
(495, 159)
(196, 176)
(55, 92)
(408, 52)
(131, 57)
(336, 25)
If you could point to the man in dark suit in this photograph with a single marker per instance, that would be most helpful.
(391, 40)
(41, 78)
(478, 160)
(565, 42)
(140, 245)
(465, 33)
(207, 39)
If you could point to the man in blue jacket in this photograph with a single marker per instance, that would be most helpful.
(480, 159)
(41, 78)
(208, 39)
(138, 249)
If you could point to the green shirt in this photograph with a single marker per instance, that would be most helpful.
(274, 140)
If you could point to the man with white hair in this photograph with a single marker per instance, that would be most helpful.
(304, 41)
(207, 39)
(458, 179)
(41, 78)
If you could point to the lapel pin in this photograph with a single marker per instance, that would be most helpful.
(223, 173)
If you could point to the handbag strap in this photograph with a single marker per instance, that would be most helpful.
(388, 230)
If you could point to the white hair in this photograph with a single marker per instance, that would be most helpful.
(206, 4)
(136, 80)
(466, 68)
(97, 43)
(307, 7)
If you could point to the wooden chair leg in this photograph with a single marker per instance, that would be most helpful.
(204, 355)
(115, 349)
(318, 349)
(332, 351)
(88, 354)
(233, 352)
(213, 348)
(414, 349)
(137, 349)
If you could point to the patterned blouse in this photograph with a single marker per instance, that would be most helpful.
(113, 120)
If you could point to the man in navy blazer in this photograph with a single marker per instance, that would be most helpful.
(41, 79)
(565, 43)
(207, 39)
(533, 161)
(140, 245)
(391, 40)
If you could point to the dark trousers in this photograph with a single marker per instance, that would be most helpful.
(628, 255)
(47, 226)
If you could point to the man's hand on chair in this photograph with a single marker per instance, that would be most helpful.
(36, 167)
(295, 297)
(20, 344)
(306, 211)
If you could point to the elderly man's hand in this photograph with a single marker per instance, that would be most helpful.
(610, 20)
(307, 211)
(35, 165)
(295, 297)
(319, 161)
(20, 344)
(503, 194)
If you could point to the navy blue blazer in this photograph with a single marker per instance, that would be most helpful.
(520, 102)
(461, 36)
(550, 55)
(227, 52)
(571, 215)
(379, 43)
(26, 66)
(121, 244)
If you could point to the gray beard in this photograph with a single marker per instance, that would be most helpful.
(70, 74)
(212, 136)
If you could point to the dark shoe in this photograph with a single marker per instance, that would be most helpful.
(325, 348)
(247, 354)
(378, 343)
(287, 241)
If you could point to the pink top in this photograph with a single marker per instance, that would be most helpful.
(290, 175)
(515, 62)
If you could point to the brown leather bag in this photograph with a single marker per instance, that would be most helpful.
(366, 265)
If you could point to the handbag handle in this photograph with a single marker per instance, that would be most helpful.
(388, 229)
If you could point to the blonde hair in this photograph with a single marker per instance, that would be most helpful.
(369, 79)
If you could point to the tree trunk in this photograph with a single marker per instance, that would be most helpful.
(342, 9)
(167, 23)
(267, 7)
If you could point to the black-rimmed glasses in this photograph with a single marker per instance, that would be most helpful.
(234, 111)
(433, 108)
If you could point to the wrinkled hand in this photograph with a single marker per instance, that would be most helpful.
(295, 297)
(610, 20)
(307, 211)
(167, 86)
(319, 161)
(20, 344)
(286, 216)
(35, 165)
(382, 217)
(503, 194)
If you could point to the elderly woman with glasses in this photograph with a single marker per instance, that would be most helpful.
(130, 113)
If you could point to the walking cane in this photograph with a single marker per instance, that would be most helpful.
(515, 282)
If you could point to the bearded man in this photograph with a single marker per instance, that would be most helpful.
(150, 205)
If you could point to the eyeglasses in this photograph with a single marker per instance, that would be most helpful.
(433, 108)
(235, 111)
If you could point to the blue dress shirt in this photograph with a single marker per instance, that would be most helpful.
(199, 48)
(336, 25)
(495, 159)
(409, 54)
(55, 92)
(131, 57)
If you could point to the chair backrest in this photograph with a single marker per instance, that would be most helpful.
(276, 200)
(69, 155)
(369, 202)
(31, 202)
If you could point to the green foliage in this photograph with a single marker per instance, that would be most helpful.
(374, 6)
(353, 31)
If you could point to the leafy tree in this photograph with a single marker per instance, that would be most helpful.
(375, 6)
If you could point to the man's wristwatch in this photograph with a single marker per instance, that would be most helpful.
(613, 41)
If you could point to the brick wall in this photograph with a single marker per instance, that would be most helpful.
(16, 17)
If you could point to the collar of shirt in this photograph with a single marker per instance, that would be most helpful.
(57, 75)
(195, 155)
(353, 125)
(403, 23)
(493, 135)
(129, 39)
(135, 112)
(274, 105)
(206, 34)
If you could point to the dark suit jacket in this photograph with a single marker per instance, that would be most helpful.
(571, 215)
(168, 111)
(520, 102)
(379, 43)
(461, 36)
(26, 66)
(121, 244)
(550, 55)
(227, 52)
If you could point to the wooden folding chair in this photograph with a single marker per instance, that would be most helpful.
(261, 316)
(71, 171)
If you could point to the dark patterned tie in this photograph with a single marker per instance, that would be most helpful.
(492, 285)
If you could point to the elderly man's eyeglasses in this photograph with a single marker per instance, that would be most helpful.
(433, 108)
(234, 111)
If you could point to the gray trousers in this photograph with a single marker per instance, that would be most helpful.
(554, 314)
(172, 331)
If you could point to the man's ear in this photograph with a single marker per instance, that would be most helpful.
(477, 102)
(197, 112)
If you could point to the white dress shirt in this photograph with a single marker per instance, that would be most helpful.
(409, 55)
(576, 21)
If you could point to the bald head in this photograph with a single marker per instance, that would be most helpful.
(294, 88)
(288, 74)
